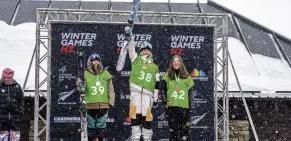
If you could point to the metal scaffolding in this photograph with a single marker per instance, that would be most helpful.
(221, 100)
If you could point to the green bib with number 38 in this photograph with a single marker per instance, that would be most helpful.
(97, 87)
(177, 91)
(143, 75)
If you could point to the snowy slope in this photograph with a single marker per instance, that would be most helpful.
(256, 73)
(17, 45)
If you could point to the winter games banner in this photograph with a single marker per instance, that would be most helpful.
(193, 43)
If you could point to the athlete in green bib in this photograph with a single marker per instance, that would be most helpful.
(144, 86)
(99, 94)
(174, 89)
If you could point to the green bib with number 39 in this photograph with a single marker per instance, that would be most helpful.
(143, 75)
(177, 91)
(97, 87)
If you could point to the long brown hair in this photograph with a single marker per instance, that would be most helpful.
(181, 72)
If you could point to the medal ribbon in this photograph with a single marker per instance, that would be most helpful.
(98, 82)
(177, 79)
(97, 77)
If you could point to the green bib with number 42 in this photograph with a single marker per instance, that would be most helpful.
(143, 75)
(177, 91)
(97, 87)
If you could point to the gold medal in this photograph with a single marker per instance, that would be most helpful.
(98, 83)
(144, 66)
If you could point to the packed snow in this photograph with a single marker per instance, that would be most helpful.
(257, 72)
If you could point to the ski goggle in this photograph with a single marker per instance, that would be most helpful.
(95, 57)
(146, 45)
(10, 72)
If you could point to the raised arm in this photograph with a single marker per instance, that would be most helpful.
(131, 50)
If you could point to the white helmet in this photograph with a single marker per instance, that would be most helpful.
(145, 45)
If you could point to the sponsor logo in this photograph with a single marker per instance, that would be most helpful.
(177, 51)
(63, 75)
(199, 75)
(68, 49)
(67, 119)
(194, 93)
(181, 42)
(162, 116)
(64, 95)
(195, 120)
(78, 39)
(190, 42)
(124, 96)
(162, 73)
(110, 120)
(71, 40)
(138, 38)
(162, 122)
(195, 99)
(125, 73)
(128, 139)
(63, 69)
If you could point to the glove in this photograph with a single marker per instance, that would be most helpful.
(156, 95)
(156, 98)
(166, 105)
(128, 33)
(82, 87)
(155, 104)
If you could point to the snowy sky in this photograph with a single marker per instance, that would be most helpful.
(274, 14)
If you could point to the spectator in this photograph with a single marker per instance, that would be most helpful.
(11, 106)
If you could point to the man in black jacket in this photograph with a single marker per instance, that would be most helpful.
(11, 107)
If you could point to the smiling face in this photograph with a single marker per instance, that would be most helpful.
(95, 62)
(177, 67)
(8, 80)
(176, 63)
(145, 52)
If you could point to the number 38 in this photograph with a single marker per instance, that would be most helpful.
(147, 78)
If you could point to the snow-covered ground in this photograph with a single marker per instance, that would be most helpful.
(17, 44)
(256, 73)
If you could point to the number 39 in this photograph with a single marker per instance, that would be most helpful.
(100, 89)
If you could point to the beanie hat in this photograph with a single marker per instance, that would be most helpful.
(7, 73)
(95, 56)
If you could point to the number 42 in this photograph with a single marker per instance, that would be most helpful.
(179, 95)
